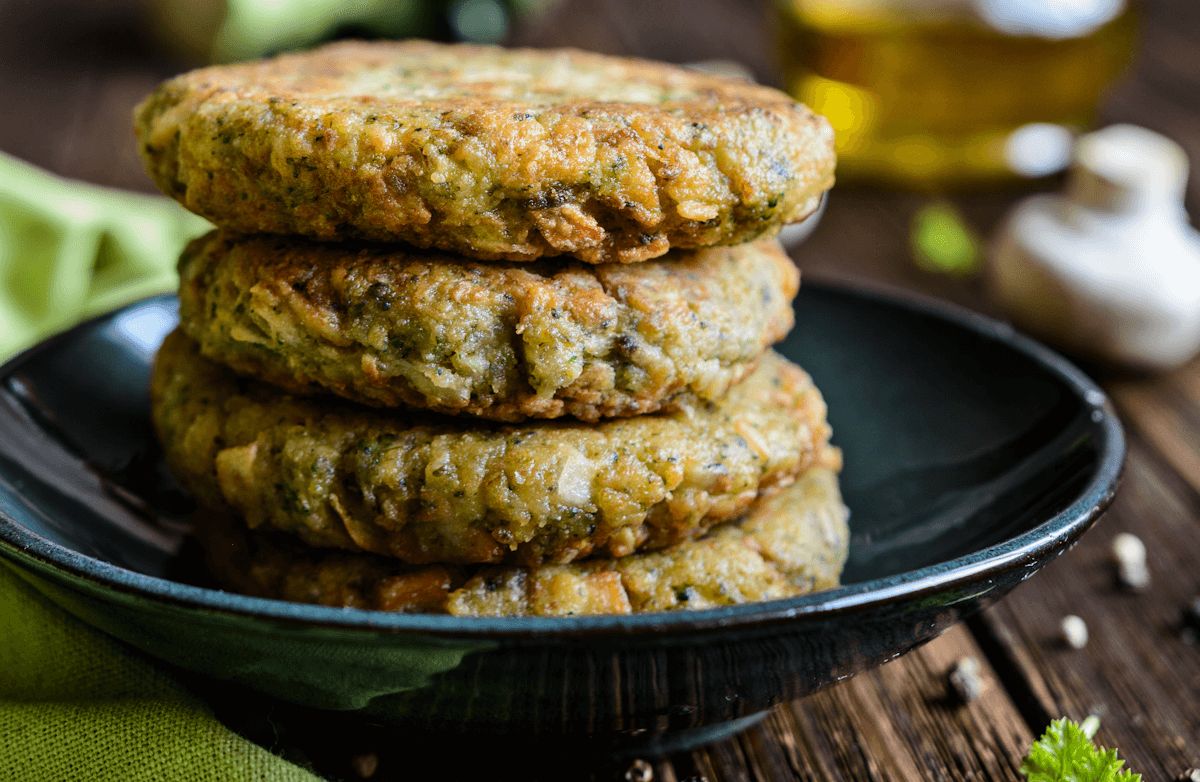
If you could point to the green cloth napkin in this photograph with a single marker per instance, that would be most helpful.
(70, 250)
(74, 703)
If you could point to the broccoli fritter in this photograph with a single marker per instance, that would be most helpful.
(424, 488)
(390, 327)
(791, 542)
(493, 153)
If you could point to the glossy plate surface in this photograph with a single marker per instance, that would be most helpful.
(973, 456)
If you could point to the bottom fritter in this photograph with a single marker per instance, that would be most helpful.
(792, 542)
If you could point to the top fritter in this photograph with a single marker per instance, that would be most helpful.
(492, 153)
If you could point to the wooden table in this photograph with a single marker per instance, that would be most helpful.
(70, 73)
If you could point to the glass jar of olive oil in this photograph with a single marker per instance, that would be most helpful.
(933, 94)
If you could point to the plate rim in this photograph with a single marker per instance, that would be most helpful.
(1051, 537)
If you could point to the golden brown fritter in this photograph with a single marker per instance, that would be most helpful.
(425, 488)
(791, 542)
(392, 327)
(493, 153)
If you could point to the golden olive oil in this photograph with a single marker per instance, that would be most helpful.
(931, 95)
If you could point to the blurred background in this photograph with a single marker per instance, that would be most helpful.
(947, 112)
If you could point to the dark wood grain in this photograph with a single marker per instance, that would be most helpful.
(71, 71)
(1137, 673)
(895, 723)
(1165, 411)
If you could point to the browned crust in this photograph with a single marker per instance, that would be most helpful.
(790, 543)
(427, 489)
(492, 153)
(390, 327)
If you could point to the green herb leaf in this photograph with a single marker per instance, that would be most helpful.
(943, 242)
(1065, 753)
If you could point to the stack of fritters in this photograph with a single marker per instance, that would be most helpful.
(487, 331)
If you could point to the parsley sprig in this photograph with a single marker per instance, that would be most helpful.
(1065, 753)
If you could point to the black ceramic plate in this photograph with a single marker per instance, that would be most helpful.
(973, 456)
